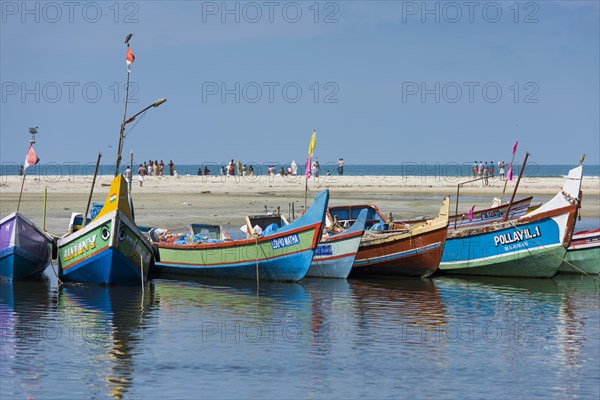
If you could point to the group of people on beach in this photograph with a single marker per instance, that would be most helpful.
(233, 168)
(485, 170)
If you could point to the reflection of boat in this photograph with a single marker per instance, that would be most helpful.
(110, 249)
(531, 246)
(583, 254)
(411, 307)
(24, 327)
(24, 248)
(336, 253)
(415, 251)
(111, 316)
(282, 255)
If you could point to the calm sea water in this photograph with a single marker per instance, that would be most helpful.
(401, 169)
(387, 338)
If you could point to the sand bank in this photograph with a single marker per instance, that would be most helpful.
(175, 201)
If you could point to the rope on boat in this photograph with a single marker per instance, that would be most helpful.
(55, 274)
(256, 261)
(142, 271)
(556, 255)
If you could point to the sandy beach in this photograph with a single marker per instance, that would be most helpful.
(175, 201)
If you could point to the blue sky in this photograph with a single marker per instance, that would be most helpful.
(381, 82)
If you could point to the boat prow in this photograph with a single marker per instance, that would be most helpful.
(110, 249)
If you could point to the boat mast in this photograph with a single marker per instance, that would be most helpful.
(33, 132)
(122, 131)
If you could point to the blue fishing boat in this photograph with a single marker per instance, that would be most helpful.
(533, 245)
(336, 252)
(282, 254)
(25, 249)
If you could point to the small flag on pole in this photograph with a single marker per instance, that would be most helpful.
(307, 172)
(31, 158)
(510, 173)
(471, 213)
(130, 58)
(515, 147)
(313, 143)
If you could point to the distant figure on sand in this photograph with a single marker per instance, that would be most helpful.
(171, 168)
(341, 166)
(501, 169)
(492, 168)
(474, 168)
(127, 175)
(141, 173)
(294, 167)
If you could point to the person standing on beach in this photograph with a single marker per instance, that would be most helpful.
(141, 173)
(155, 167)
(171, 168)
(474, 168)
(127, 175)
(480, 169)
(492, 167)
(485, 169)
(501, 167)
(161, 168)
(294, 166)
(239, 168)
(341, 166)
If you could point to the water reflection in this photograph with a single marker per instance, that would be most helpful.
(470, 337)
(104, 326)
(23, 331)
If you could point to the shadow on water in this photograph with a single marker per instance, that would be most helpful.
(106, 323)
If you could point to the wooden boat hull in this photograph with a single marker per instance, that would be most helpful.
(284, 255)
(108, 251)
(335, 256)
(24, 249)
(409, 256)
(583, 253)
(533, 246)
(413, 253)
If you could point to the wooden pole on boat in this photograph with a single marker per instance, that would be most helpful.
(131, 169)
(506, 177)
(21, 192)
(44, 214)
(305, 193)
(512, 198)
(122, 132)
(33, 132)
(87, 208)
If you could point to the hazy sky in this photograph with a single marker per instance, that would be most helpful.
(382, 82)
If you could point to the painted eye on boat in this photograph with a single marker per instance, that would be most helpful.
(121, 233)
(105, 233)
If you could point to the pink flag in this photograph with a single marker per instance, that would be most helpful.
(515, 148)
(130, 58)
(307, 172)
(510, 173)
(471, 213)
(31, 158)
